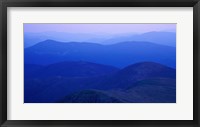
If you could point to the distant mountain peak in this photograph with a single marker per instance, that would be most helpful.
(50, 41)
(46, 43)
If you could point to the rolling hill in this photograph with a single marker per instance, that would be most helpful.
(136, 72)
(141, 82)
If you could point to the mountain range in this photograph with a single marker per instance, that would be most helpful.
(145, 82)
(100, 68)
(118, 55)
(162, 38)
(158, 37)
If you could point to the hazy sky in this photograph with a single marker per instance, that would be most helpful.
(99, 28)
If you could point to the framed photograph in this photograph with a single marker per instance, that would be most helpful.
(99, 63)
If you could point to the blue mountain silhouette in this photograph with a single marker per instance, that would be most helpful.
(118, 55)
(158, 37)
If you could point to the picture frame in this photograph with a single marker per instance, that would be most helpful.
(99, 3)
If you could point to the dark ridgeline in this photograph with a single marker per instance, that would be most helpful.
(57, 72)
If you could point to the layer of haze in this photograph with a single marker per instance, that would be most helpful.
(99, 28)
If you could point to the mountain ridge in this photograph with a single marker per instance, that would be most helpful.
(52, 51)
(167, 38)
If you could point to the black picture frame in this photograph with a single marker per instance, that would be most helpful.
(4, 4)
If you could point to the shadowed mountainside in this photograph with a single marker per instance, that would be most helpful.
(141, 82)
(69, 69)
